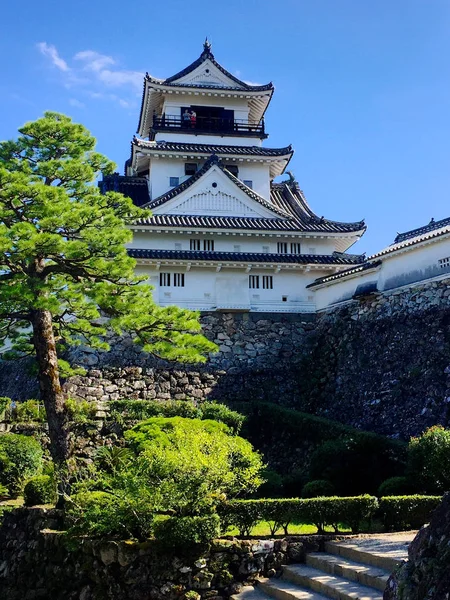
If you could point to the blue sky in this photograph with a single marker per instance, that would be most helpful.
(362, 88)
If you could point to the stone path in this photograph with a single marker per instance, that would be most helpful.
(353, 569)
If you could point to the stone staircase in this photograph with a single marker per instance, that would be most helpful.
(354, 569)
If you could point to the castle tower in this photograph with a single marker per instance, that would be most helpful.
(223, 235)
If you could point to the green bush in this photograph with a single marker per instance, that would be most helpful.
(318, 487)
(145, 409)
(429, 460)
(29, 411)
(39, 490)
(5, 402)
(354, 462)
(20, 459)
(273, 485)
(396, 486)
(100, 514)
(185, 532)
(80, 411)
(406, 512)
(245, 514)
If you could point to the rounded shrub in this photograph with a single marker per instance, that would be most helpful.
(395, 486)
(20, 459)
(39, 490)
(185, 532)
(318, 488)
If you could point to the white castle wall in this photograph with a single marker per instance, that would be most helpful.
(413, 264)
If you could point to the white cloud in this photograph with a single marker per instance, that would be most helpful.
(94, 61)
(95, 75)
(76, 103)
(52, 53)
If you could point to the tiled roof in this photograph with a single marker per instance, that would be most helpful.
(366, 266)
(212, 148)
(135, 188)
(287, 200)
(208, 55)
(413, 233)
(337, 258)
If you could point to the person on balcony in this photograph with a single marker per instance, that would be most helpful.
(193, 119)
(186, 119)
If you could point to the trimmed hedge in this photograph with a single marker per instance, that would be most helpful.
(407, 512)
(245, 514)
(39, 490)
(146, 409)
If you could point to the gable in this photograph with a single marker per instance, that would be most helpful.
(207, 74)
(214, 194)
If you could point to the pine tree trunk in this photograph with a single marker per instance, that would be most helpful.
(52, 396)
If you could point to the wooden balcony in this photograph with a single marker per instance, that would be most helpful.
(210, 125)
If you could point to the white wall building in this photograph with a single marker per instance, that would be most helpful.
(222, 235)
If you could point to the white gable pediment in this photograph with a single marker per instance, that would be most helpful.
(207, 73)
(214, 194)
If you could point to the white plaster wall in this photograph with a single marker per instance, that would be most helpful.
(397, 269)
(161, 169)
(206, 289)
(223, 243)
(192, 138)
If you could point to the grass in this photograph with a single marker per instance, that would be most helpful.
(262, 529)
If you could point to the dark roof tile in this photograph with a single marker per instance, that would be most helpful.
(337, 258)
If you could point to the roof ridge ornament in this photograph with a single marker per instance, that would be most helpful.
(207, 48)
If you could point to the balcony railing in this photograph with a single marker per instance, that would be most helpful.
(220, 126)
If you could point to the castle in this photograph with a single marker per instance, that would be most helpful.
(223, 236)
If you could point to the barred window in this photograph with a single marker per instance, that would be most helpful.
(195, 244)
(208, 245)
(282, 247)
(295, 248)
(253, 282)
(174, 181)
(178, 279)
(164, 279)
(267, 282)
(444, 262)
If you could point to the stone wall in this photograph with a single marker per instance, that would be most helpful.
(38, 562)
(382, 363)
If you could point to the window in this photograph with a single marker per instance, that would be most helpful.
(284, 298)
(174, 181)
(267, 282)
(295, 248)
(178, 279)
(282, 247)
(208, 245)
(195, 244)
(233, 169)
(190, 168)
(248, 183)
(178, 246)
(164, 279)
(444, 262)
(253, 282)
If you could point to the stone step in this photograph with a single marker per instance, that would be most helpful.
(281, 589)
(250, 593)
(343, 567)
(385, 551)
(331, 586)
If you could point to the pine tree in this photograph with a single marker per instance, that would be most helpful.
(65, 275)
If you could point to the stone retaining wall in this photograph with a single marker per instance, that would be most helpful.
(38, 562)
